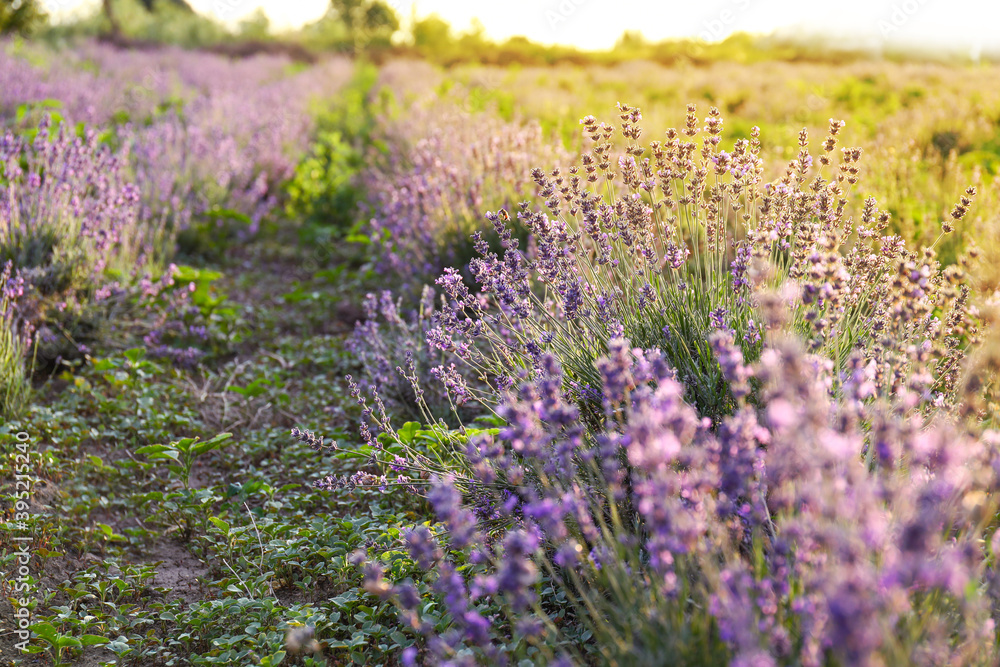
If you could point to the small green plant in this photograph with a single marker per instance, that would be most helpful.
(183, 453)
(185, 508)
(190, 318)
(58, 643)
(128, 371)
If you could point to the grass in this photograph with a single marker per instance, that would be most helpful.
(175, 555)
(15, 388)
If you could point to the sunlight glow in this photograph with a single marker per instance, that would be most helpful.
(965, 26)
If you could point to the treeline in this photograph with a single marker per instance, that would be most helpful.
(374, 29)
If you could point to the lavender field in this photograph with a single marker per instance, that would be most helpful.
(374, 361)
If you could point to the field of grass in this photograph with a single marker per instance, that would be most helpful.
(346, 363)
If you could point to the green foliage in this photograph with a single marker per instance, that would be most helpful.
(183, 453)
(324, 191)
(274, 560)
(168, 23)
(163, 22)
(353, 113)
(432, 34)
(15, 388)
(185, 508)
(353, 25)
(22, 17)
(210, 235)
(256, 26)
(57, 642)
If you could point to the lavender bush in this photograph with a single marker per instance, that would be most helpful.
(69, 213)
(666, 243)
(70, 229)
(443, 166)
(172, 138)
(397, 361)
(82, 257)
(14, 385)
(736, 428)
(765, 538)
(203, 132)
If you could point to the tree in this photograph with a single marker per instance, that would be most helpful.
(149, 5)
(432, 34)
(474, 39)
(21, 16)
(365, 21)
(631, 40)
(256, 26)
(109, 14)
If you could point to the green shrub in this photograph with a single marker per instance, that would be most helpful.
(323, 190)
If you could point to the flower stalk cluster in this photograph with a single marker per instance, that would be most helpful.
(666, 242)
(440, 170)
(768, 526)
(733, 424)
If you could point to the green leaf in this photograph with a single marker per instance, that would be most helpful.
(492, 420)
(157, 452)
(220, 524)
(407, 431)
(45, 631)
(209, 445)
(104, 365)
(330, 275)
(93, 640)
(228, 214)
(184, 444)
(252, 390)
(273, 659)
(119, 645)
(189, 274)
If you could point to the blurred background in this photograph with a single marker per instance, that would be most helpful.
(451, 30)
(374, 92)
(914, 79)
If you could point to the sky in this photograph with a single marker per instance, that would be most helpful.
(965, 26)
